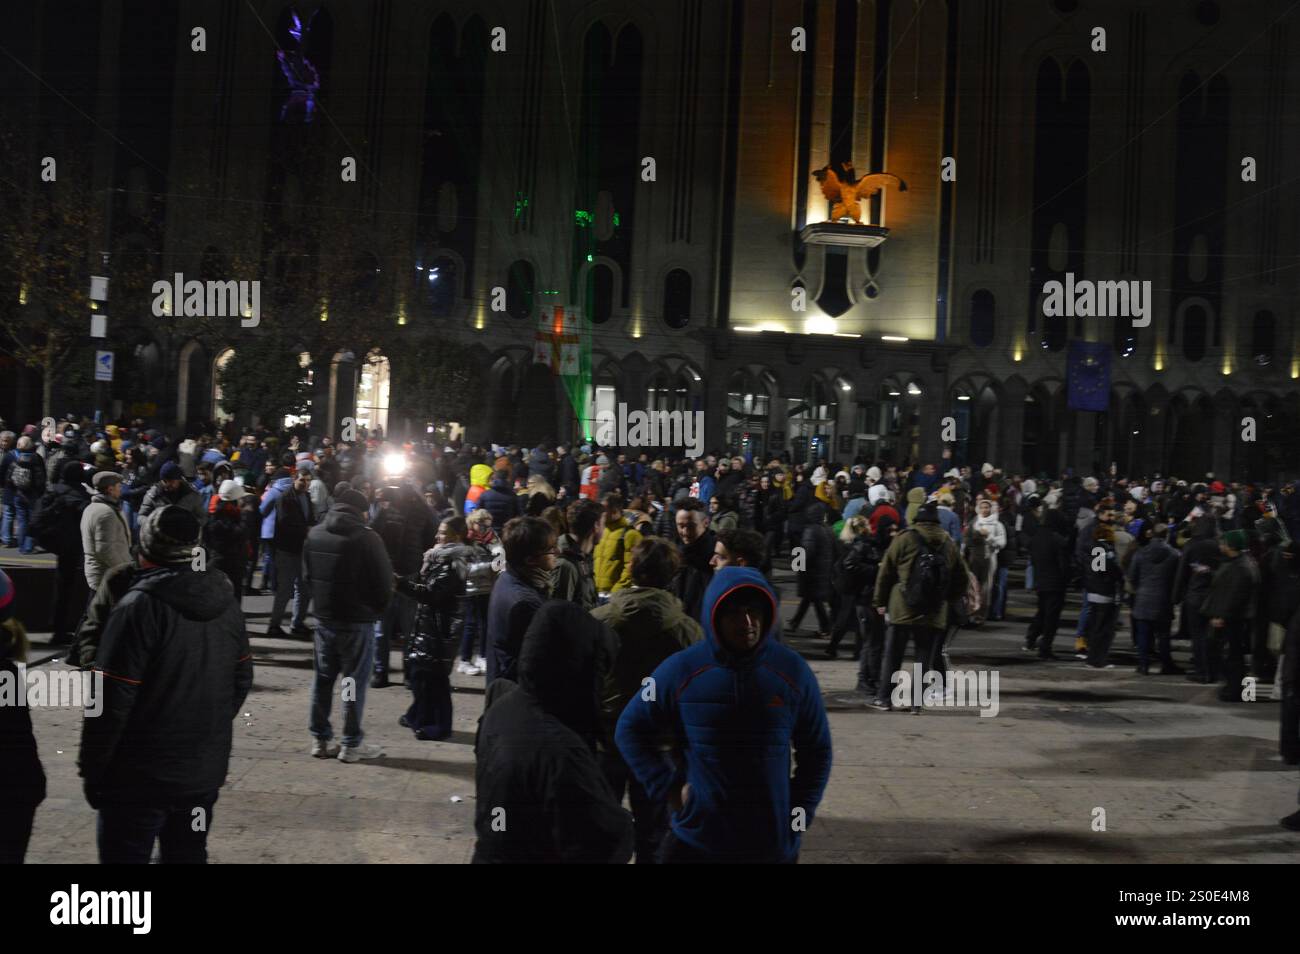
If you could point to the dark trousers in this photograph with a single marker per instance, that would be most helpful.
(398, 621)
(1042, 628)
(15, 830)
(1100, 632)
(924, 641)
(848, 616)
(429, 715)
(1147, 631)
(127, 830)
(873, 649)
(71, 594)
(1230, 644)
(649, 818)
(1204, 662)
(823, 618)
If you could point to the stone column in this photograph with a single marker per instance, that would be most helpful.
(1011, 425)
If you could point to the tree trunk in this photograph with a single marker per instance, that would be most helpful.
(47, 380)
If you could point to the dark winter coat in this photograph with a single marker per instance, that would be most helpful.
(176, 668)
(184, 496)
(1151, 573)
(1049, 553)
(61, 507)
(511, 608)
(568, 475)
(536, 767)
(1279, 586)
(1233, 590)
(818, 542)
(500, 501)
(112, 589)
(735, 719)
(896, 570)
(347, 568)
(1200, 558)
(694, 574)
(20, 763)
(438, 617)
(226, 536)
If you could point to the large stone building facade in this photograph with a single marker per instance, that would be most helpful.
(649, 167)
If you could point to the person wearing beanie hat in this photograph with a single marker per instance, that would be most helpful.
(917, 612)
(1230, 608)
(349, 576)
(173, 489)
(179, 666)
(873, 474)
(105, 536)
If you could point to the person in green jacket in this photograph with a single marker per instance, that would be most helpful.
(651, 626)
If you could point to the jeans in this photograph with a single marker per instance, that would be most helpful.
(1082, 631)
(22, 515)
(1204, 662)
(999, 608)
(1101, 631)
(649, 818)
(398, 618)
(873, 649)
(288, 582)
(924, 640)
(268, 565)
(341, 648)
(127, 830)
(1042, 628)
(475, 628)
(1147, 630)
(7, 517)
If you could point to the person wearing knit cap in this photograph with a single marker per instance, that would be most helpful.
(105, 536)
(178, 668)
(1230, 608)
(173, 489)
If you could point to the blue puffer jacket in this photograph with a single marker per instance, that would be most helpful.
(269, 499)
(734, 719)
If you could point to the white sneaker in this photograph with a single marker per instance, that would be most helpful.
(324, 748)
(464, 667)
(480, 663)
(355, 753)
(472, 670)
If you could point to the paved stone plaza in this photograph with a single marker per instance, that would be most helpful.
(1181, 776)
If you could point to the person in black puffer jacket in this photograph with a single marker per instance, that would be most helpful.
(1151, 573)
(176, 667)
(814, 589)
(541, 797)
(1049, 555)
(500, 501)
(439, 617)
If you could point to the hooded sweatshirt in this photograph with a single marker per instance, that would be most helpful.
(736, 717)
(535, 751)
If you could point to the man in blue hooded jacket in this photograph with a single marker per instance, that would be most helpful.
(735, 702)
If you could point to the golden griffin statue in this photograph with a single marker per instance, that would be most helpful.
(846, 193)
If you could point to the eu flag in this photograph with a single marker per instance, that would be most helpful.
(1088, 376)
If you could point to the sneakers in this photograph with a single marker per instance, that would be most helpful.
(468, 668)
(880, 706)
(355, 753)
(324, 748)
(481, 662)
(830, 652)
(276, 633)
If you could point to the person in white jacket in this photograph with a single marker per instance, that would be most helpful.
(986, 537)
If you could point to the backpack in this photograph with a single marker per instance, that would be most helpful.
(927, 584)
(20, 475)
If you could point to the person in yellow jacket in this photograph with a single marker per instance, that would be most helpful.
(612, 559)
(479, 476)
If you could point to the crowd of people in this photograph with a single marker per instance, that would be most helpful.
(620, 607)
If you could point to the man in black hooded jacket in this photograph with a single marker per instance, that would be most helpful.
(175, 668)
(541, 796)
